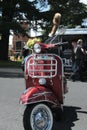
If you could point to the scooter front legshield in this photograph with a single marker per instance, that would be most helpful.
(38, 94)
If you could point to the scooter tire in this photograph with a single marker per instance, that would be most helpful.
(29, 119)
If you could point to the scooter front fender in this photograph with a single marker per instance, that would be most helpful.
(38, 94)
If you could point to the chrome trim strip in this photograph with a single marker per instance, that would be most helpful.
(38, 94)
(41, 101)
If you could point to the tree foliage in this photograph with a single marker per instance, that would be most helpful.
(72, 11)
(13, 11)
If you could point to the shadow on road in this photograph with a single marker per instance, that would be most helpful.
(11, 75)
(69, 117)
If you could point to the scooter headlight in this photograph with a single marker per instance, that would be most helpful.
(37, 48)
(42, 81)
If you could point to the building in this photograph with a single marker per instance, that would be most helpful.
(68, 36)
(75, 33)
(17, 42)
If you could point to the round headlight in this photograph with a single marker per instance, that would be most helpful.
(42, 81)
(37, 48)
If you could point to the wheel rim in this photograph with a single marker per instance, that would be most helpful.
(41, 118)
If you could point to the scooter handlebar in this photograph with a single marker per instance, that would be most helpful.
(47, 46)
(61, 43)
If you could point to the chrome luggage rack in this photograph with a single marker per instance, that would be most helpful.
(42, 66)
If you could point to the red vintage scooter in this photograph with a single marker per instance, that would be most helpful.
(45, 88)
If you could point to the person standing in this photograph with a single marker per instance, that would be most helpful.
(74, 61)
(77, 60)
(80, 58)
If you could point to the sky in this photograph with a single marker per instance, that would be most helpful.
(84, 1)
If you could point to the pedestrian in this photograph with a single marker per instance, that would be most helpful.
(77, 60)
(74, 64)
(80, 58)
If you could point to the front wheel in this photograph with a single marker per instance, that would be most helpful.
(38, 117)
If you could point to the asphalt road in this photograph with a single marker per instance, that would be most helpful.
(75, 106)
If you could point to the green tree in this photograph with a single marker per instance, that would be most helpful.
(12, 12)
(73, 11)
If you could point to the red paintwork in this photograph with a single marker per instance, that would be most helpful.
(46, 46)
(54, 86)
(38, 94)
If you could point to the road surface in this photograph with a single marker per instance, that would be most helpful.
(75, 106)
